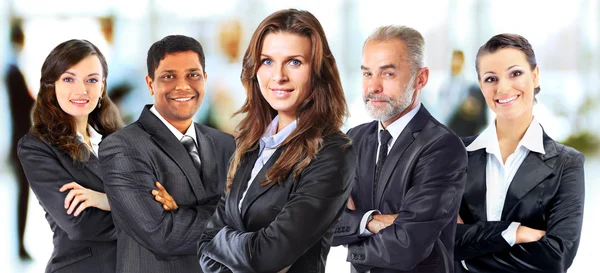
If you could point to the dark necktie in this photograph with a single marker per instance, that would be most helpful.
(190, 145)
(384, 139)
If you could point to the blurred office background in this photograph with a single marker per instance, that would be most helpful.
(564, 34)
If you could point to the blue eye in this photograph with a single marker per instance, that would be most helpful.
(68, 79)
(267, 61)
(295, 62)
(93, 80)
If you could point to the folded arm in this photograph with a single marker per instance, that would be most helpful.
(431, 204)
(46, 175)
(129, 181)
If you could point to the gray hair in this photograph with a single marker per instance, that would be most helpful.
(413, 40)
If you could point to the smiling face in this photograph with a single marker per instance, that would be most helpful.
(285, 72)
(507, 82)
(79, 88)
(178, 87)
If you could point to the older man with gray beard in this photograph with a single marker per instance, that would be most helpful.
(411, 170)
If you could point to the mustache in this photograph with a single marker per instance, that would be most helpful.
(381, 97)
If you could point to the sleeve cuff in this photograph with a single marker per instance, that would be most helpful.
(510, 234)
(363, 223)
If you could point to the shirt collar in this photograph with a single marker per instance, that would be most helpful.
(533, 139)
(191, 131)
(271, 139)
(398, 125)
(95, 137)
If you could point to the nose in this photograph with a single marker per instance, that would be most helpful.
(503, 86)
(280, 75)
(81, 89)
(182, 84)
(374, 84)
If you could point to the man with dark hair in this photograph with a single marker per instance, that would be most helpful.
(188, 159)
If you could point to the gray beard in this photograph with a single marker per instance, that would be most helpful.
(393, 107)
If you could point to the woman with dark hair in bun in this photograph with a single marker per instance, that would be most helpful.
(522, 208)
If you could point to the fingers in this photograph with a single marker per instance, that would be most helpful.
(459, 220)
(68, 186)
(351, 205)
(70, 197)
(81, 207)
(159, 186)
(76, 200)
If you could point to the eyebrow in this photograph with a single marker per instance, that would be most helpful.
(287, 57)
(187, 70)
(509, 68)
(362, 67)
(73, 74)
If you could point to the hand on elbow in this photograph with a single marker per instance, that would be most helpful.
(82, 198)
(528, 235)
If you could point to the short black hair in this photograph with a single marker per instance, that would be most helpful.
(172, 44)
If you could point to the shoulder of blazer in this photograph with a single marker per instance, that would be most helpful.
(468, 140)
(214, 133)
(565, 153)
(132, 131)
(358, 132)
(32, 141)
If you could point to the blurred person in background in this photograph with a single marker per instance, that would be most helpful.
(522, 209)
(461, 106)
(21, 103)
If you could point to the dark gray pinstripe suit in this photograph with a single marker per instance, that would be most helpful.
(150, 239)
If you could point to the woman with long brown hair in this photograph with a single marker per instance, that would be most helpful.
(289, 178)
(59, 156)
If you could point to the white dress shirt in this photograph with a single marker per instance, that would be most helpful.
(269, 143)
(95, 139)
(191, 131)
(499, 175)
(395, 130)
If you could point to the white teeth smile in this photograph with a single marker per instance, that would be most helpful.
(79, 101)
(508, 100)
(183, 99)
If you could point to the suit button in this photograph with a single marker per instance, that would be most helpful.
(346, 229)
(362, 257)
(353, 256)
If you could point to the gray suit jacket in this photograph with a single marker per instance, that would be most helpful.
(86, 243)
(149, 238)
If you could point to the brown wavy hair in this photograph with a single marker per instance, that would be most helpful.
(53, 125)
(320, 115)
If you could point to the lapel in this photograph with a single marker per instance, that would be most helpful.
(475, 188)
(405, 139)
(207, 154)
(256, 190)
(239, 184)
(534, 169)
(93, 165)
(367, 166)
(172, 148)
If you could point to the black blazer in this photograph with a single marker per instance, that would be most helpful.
(285, 225)
(547, 193)
(86, 243)
(133, 158)
(422, 181)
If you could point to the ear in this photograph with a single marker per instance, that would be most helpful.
(149, 83)
(536, 77)
(205, 76)
(421, 78)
